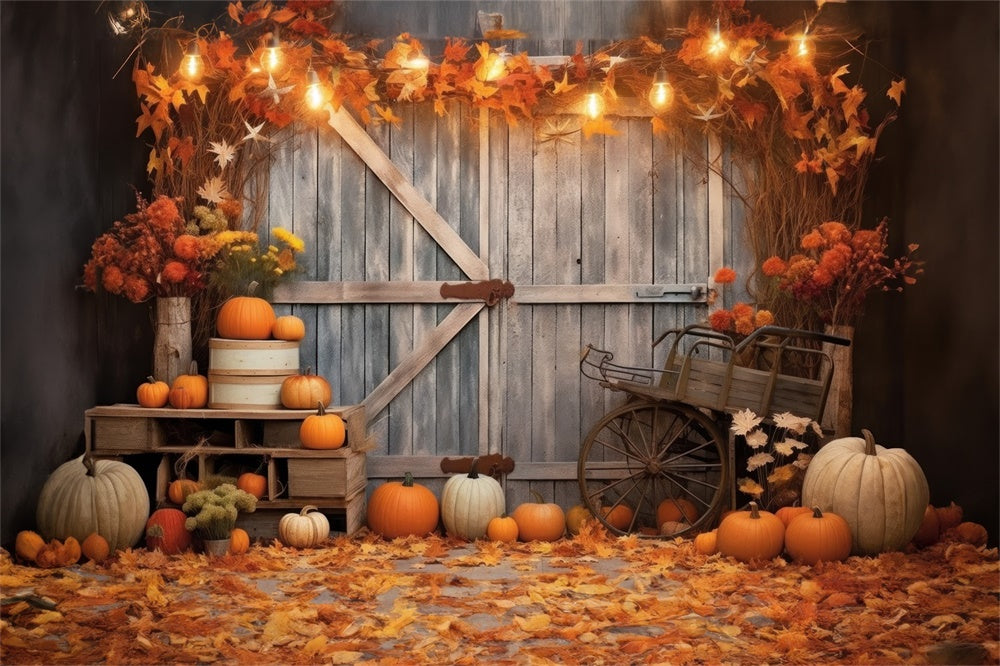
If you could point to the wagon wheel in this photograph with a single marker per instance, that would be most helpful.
(647, 453)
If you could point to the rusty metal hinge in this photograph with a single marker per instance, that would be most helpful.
(488, 291)
(492, 464)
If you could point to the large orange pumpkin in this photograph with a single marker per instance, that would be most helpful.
(403, 508)
(245, 318)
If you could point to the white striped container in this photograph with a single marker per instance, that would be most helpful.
(252, 357)
(247, 374)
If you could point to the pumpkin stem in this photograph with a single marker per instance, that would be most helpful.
(88, 462)
(193, 368)
(754, 513)
(869, 441)
(817, 513)
(252, 287)
(320, 409)
(408, 480)
(151, 379)
(473, 472)
(538, 496)
(307, 508)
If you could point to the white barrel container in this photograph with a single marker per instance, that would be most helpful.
(252, 357)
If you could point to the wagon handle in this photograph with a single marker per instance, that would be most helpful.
(792, 333)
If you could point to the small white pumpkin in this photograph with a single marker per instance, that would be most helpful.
(85, 495)
(305, 529)
(469, 502)
(881, 493)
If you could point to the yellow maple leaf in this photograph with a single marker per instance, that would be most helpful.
(564, 85)
(533, 623)
(839, 88)
(896, 90)
(315, 645)
(155, 162)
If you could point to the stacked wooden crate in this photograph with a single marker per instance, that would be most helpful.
(227, 441)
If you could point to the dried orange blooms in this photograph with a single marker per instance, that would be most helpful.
(740, 320)
(594, 599)
(838, 267)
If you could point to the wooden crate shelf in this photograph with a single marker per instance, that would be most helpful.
(228, 441)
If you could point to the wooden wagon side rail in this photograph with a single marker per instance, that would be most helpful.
(691, 377)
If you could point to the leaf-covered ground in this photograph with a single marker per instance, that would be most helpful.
(594, 599)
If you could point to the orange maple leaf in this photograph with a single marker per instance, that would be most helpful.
(598, 126)
(388, 116)
(896, 90)
(564, 85)
(182, 149)
(456, 50)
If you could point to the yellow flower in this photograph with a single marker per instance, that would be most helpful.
(289, 239)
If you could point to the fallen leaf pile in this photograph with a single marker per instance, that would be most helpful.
(593, 599)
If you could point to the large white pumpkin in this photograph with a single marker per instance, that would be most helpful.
(85, 495)
(469, 502)
(881, 493)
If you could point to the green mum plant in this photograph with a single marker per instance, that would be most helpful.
(212, 513)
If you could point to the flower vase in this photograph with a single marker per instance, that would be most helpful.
(216, 547)
(837, 412)
(172, 338)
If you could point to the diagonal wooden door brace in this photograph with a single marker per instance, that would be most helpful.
(423, 212)
(419, 357)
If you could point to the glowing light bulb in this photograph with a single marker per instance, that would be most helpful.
(191, 64)
(497, 68)
(716, 44)
(314, 91)
(662, 93)
(593, 103)
(802, 48)
(419, 61)
(271, 59)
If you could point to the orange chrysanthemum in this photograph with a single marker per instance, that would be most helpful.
(744, 325)
(231, 208)
(721, 320)
(742, 310)
(835, 232)
(174, 272)
(136, 288)
(774, 266)
(812, 240)
(112, 279)
(724, 275)
(763, 318)
(187, 247)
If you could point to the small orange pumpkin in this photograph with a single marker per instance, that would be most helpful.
(968, 532)
(820, 537)
(676, 509)
(576, 516)
(539, 520)
(930, 528)
(704, 543)
(618, 516)
(502, 528)
(95, 547)
(949, 516)
(179, 489)
(253, 483)
(245, 317)
(305, 391)
(288, 327)
(239, 541)
(152, 393)
(165, 531)
(322, 430)
(787, 514)
(189, 391)
(28, 544)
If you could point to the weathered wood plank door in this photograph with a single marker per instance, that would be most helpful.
(608, 240)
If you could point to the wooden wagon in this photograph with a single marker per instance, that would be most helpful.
(666, 450)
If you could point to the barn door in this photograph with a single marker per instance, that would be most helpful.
(606, 241)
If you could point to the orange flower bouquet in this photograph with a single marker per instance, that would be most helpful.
(838, 267)
(740, 320)
(155, 252)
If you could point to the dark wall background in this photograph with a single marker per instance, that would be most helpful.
(926, 362)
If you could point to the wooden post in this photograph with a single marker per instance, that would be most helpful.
(837, 413)
(172, 338)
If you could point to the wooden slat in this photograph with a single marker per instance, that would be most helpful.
(429, 467)
(422, 211)
(607, 293)
(421, 355)
(485, 318)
